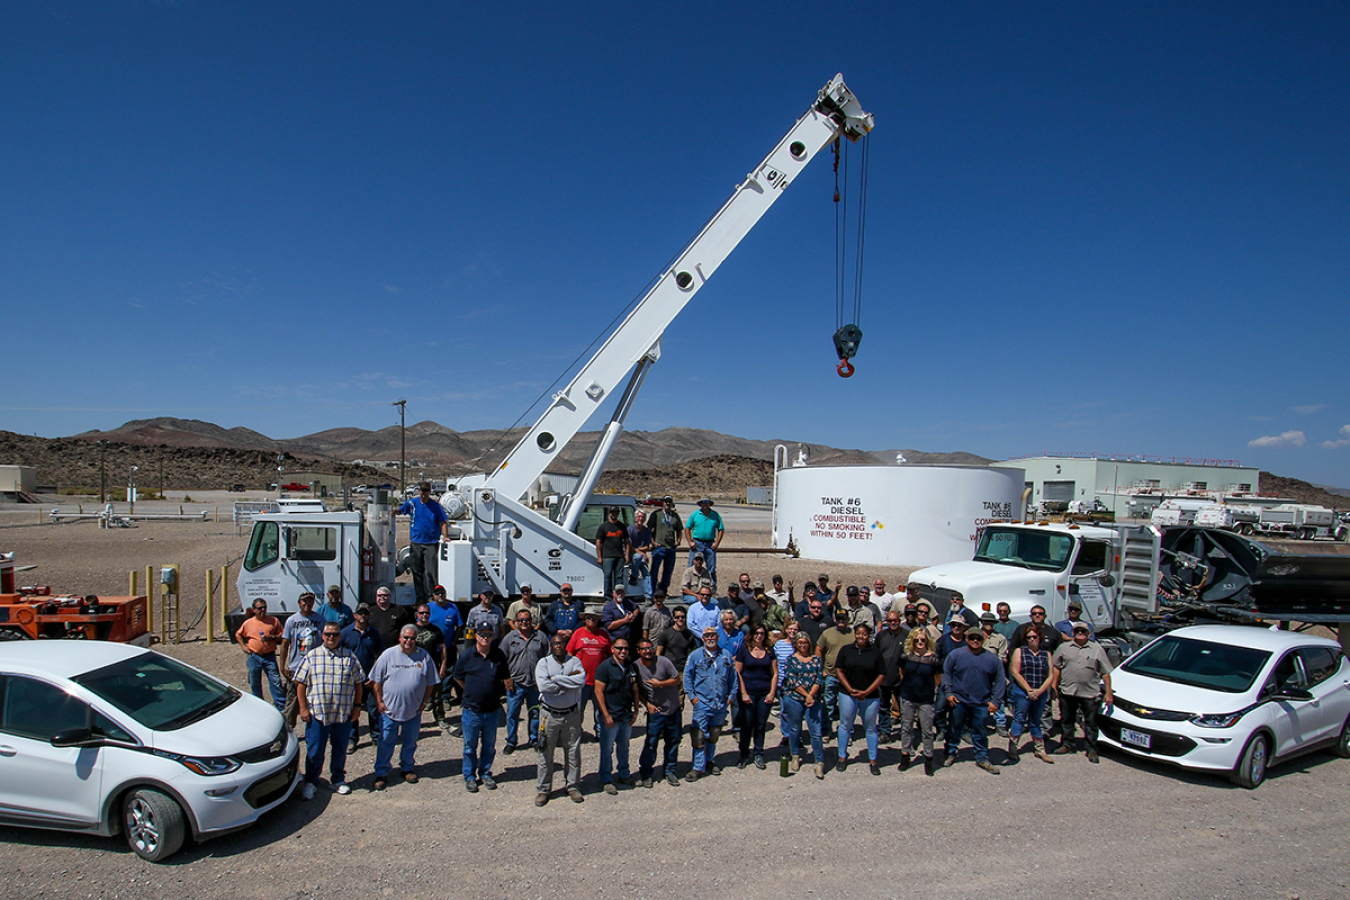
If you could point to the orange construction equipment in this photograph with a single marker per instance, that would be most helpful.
(25, 616)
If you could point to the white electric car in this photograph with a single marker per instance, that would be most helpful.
(107, 738)
(1230, 698)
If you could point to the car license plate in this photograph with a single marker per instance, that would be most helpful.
(1135, 738)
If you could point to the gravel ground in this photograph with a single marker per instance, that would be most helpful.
(1120, 829)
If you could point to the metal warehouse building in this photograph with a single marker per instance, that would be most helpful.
(1131, 487)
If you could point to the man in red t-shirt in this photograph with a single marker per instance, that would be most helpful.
(590, 644)
(259, 636)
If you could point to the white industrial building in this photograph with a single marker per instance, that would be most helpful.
(1131, 487)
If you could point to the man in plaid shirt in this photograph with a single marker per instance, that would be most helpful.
(328, 684)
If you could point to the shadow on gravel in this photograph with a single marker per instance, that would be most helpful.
(1302, 765)
(279, 824)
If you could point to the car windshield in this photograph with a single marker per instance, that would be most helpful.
(1204, 664)
(1028, 549)
(159, 692)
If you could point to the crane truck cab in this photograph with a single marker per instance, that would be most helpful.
(1026, 564)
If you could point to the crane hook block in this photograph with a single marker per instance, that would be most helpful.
(846, 341)
(845, 369)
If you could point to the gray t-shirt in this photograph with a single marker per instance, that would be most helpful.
(403, 679)
(303, 633)
(655, 622)
(666, 699)
(523, 655)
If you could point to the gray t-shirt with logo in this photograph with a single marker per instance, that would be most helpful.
(403, 679)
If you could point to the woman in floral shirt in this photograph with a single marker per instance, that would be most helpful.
(803, 680)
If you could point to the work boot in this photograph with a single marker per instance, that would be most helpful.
(988, 766)
(1063, 749)
(794, 764)
(928, 766)
(904, 762)
(1012, 749)
(820, 770)
(948, 760)
(1039, 744)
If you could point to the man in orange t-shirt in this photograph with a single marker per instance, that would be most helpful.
(259, 636)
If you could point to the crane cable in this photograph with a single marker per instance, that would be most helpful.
(847, 336)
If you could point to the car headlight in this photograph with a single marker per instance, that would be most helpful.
(203, 765)
(1219, 720)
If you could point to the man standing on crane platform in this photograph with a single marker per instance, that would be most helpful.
(705, 535)
(429, 525)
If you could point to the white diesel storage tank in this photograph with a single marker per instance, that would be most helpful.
(902, 515)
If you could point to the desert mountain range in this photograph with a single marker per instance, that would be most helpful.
(187, 454)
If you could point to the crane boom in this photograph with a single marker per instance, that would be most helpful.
(835, 112)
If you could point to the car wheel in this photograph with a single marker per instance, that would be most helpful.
(1251, 768)
(154, 825)
(1343, 745)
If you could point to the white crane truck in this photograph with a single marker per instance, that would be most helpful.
(497, 542)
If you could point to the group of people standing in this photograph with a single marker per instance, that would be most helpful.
(830, 663)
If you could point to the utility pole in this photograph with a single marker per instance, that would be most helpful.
(402, 443)
(102, 474)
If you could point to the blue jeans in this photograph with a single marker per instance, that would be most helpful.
(1027, 713)
(317, 736)
(973, 716)
(661, 726)
(612, 567)
(404, 734)
(849, 708)
(829, 699)
(527, 696)
(753, 720)
(620, 733)
(705, 718)
(709, 558)
(794, 710)
(663, 567)
(479, 728)
(259, 665)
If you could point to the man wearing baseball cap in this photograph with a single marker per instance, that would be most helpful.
(704, 532)
(667, 528)
(1079, 670)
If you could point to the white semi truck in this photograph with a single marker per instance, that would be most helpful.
(1134, 581)
(498, 542)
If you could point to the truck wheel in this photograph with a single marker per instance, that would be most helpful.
(13, 634)
(1342, 748)
(154, 824)
(1251, 768)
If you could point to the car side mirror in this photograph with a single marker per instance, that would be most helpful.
(1107, 580)
(1292, 693)
(79, 736)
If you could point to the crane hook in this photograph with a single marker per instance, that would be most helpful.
(845, 369)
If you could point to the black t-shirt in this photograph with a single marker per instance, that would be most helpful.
(814, 628)
(677, 645)
(619, 681)
(430, 639)
(860, 667)
(1050, 638)
(484, 678)
(388, 622)
(611, 536)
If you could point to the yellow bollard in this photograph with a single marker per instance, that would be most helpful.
(131, 583)
(210, 609)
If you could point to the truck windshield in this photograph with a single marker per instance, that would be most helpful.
(1028, 549)
(1205, 664)
(263, 546)
(159, 692)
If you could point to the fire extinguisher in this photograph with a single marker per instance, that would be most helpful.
(368, 565)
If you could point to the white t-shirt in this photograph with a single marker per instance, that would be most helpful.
(881, 601)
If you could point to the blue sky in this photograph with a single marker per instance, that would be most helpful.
(1116, 228)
